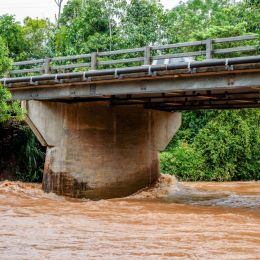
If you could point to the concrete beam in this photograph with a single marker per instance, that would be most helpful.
(142, 87)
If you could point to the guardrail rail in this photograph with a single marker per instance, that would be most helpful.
(201, 50)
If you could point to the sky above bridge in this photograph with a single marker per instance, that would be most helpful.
(44, 8)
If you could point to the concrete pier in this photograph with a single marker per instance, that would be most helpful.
(97, 151)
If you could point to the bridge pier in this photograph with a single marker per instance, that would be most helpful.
(97, 151)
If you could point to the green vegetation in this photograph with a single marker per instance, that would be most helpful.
(226, 148)
(30, 164)
(7, 109)
(22, 157)
(211, 145)
(20, 153)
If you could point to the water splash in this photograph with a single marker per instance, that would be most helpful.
(31, 190)
(170, 190)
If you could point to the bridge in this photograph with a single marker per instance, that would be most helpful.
(103, 122)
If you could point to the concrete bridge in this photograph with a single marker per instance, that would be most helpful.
(104, 124)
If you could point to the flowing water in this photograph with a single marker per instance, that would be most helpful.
(170, 221)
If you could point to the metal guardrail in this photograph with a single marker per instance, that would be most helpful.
(99, 60)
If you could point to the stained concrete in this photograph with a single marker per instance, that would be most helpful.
(98, 151)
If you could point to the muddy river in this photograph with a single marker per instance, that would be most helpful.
(170, 221)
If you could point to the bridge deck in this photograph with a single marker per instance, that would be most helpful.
(208, 87)
(210, 83)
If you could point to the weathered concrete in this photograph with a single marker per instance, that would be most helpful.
(97, 151)
(214, 82)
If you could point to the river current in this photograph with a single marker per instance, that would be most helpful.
(203, 220)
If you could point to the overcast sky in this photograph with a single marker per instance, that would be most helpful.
(43, 8)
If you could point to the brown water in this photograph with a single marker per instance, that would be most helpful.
(170, 221)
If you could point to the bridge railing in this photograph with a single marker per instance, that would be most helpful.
(200, 50)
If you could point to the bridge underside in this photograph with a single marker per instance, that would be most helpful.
(205, 88)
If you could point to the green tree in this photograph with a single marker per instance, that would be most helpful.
(197, 19)
(143, 23)
(225, 149)
(5, 61)
(7, 108)
(23, 145)
(90, 25)
(37, 33)
(230, 145)
(30, 155)
(84, 27)
(183, 161)
(12, 34)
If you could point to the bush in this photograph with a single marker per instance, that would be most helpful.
(184, 162)
(21, 155)
(230, 145)
(30, 156)
(227, 148)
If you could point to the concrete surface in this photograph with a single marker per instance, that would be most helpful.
(97, 151)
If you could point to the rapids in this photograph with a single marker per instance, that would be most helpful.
(172, 220)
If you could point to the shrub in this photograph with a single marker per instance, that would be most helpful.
(183, 161)
(30, 156)
(226, 148)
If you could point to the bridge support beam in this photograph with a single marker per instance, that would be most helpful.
(97, 151)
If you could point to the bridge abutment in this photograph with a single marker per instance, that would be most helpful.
(97, 151)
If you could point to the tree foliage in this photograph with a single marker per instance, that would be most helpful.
(143, 23)
(7, 108)
(226, 148)
(5, 61)
(201, 19)
(90, 25)
(18, 42)
(30, 164)
(11, 33)
(25, 41)
(36, 34)
(84, 27)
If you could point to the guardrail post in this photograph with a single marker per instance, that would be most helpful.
(93, 61)
(209, 48)
(47, 66)
(147, 55)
